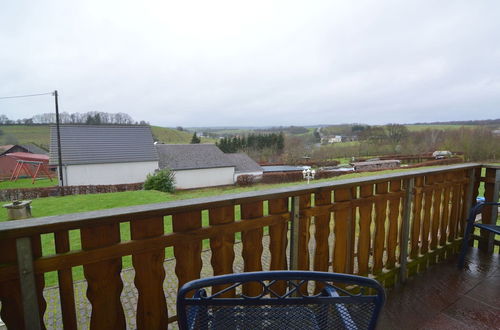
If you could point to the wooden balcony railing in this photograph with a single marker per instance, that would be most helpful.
(385, 226)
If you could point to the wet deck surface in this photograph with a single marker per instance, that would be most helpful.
(444, 297)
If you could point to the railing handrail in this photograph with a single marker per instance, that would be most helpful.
(14, 229)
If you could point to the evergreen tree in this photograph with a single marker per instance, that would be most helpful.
(195, 139)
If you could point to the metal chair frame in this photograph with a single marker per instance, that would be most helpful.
(471, 223)
(333, 293)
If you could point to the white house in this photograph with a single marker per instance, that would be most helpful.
(331, 139)
(244, 165)
(104, 154)
(196, 165)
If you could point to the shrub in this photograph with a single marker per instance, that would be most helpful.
(162, 180)
(245, 180)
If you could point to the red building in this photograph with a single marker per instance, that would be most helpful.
(8, 162)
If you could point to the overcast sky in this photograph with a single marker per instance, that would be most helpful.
(245, 63)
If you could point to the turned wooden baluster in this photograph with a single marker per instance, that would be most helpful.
(304, 233)
(343, 220)
(322, 231)
(103, 278)
(392, 235)
(365, 220)
(278, 241)
(321, 234)
(222, 245)
(426, 223)
(66, 290)
(188, 253)
(149, 275)
(436, 211)
(416, 216)
(380, 221)
(445, 217)
(252, 245)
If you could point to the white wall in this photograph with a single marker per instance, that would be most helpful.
(207, 177)
(111, 173)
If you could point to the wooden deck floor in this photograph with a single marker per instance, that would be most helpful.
(444, 297)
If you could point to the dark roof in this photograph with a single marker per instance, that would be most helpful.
(282, 168)
(34, 149)
(98, 144)
(243, 163)
(191, 156)
(6, 148)
(376, 162)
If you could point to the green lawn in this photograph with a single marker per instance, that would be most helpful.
(27, 183)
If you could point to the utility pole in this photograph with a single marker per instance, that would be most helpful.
(59, 154)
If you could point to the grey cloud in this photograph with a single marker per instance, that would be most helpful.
(199, 63)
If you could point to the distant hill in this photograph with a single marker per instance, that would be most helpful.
(40, 135)
(170, 135)
(463, 122)
(23, 134)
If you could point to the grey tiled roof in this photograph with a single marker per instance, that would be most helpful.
(98, 144)
(34, 149)
(191, 156)
(244, 163)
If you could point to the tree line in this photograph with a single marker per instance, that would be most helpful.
(253, 142)
(478, 143)
(88, 118)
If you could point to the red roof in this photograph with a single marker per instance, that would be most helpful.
(29, 157)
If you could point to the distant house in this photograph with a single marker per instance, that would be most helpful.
(244, 165)
(31, 148)
(104, 154)
(331, 139)
(196, 165)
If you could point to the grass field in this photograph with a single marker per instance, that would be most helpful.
(23, 134)
(27, 183)
(168, 135)
(415, 128)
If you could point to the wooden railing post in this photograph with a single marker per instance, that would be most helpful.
(409, 185)
(65, 277)
(489, 215)
(294, 233)
(28, 285)
(470, 195)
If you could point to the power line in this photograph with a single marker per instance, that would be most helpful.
(27, 95)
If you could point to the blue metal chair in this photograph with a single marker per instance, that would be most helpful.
(471, 224)
(343, 302)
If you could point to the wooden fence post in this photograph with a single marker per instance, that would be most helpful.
(470, 195)
(28, 285)
(489, 215)
(409, 185)
(294, 234)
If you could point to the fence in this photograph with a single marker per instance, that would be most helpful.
(32, 193)
(387, 226)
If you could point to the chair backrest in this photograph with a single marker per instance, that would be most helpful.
(478, 208)
(280, 300)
